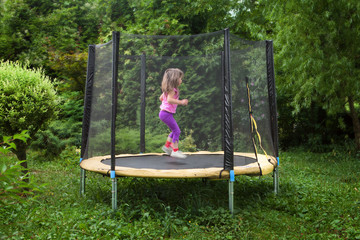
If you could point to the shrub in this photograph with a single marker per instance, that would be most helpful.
(188, 144)
(65, 130)
(27, 101)
(8, 142)
(13, 188)
(12, 185)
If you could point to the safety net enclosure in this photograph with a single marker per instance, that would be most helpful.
(230, 119)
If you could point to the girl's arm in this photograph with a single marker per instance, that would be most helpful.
(161, 97)
(172, 100)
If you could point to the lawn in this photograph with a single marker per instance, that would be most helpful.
(319, 198)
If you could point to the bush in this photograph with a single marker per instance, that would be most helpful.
(188, 144)
(64, 131)
(27, 101)
(13, 188)
(311, 128)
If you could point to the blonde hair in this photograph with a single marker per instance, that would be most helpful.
(171, 79)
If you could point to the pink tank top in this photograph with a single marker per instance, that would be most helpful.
(165, 106)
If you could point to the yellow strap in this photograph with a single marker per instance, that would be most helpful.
(254, 125)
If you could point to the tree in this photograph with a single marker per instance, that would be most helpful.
(48, 34)
(319, 58)
(17, 26)
(164, 17)
(28, 101)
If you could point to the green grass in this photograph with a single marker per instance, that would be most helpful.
(319, 199)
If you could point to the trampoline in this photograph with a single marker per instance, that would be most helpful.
(229, 127)
(196, 165)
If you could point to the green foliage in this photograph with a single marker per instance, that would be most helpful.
(249, 21)
(63, 25)
(188, 144)
(69, 157)
(127, 141)
(317, 55)
(15, 187)
(51, 35)
(324, 52)
(70, 68)
(312, 127)
(165, 17)
(27, 99)
(318, 199)
(8, 144)
(17, 25)
(65, 130)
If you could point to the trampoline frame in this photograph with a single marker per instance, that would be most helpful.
(171, 170)
(228, 171)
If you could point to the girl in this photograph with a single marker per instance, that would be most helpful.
(170, 99)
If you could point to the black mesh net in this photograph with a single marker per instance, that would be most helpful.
(248, 65)
(99, 135)
(200, 57)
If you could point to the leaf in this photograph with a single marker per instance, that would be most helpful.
(12, 146)
(3, 168)
(6, 139)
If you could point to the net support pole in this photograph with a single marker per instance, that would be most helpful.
(273, 109)
(143, 102)
(228, 124)
(115, 59)
(87, 111)
(222, 103)
(227, 118)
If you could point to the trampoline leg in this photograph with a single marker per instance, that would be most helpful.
(276, 180)
(231, 191)
(114, 190)
(82, 181)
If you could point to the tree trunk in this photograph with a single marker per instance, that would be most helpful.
(356, 123)
(21, 155)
